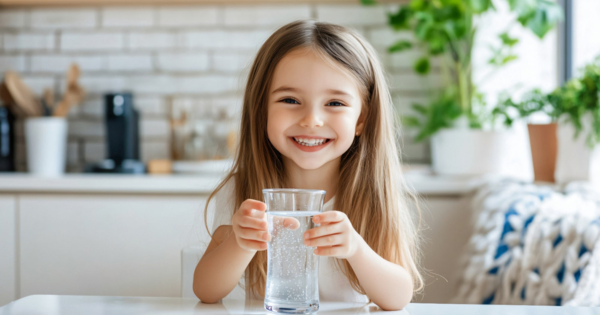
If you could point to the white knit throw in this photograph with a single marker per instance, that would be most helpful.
(532, 245)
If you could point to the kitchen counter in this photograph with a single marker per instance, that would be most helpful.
(119, 305)
(418, 177)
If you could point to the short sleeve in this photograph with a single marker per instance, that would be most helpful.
(222, 206)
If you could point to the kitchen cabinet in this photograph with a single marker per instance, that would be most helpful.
(445, 230)
(94, 244)
(8, 265)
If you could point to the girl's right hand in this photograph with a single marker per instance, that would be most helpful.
(250, 225)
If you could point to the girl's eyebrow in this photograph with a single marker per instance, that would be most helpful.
(292, 89)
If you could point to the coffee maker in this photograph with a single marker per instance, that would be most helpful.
(122, 137)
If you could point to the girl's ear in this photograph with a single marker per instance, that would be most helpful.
(360, 124)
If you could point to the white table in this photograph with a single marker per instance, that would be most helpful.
(119, 305)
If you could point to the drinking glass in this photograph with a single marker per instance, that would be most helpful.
(292, 268)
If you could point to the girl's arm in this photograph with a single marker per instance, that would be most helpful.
(221, 267)
(388, 285)
(230, 251)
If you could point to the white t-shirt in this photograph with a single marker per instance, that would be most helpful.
(333, 284)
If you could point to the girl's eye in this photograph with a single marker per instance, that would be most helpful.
(336, 103)
(285, 100)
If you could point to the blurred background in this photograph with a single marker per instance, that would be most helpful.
(483, 90)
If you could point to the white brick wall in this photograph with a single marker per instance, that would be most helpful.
(165, 55)
(188, 16)
(128, 17)
(70, 18)
(261, 15)
(28, 41)
(92, 41)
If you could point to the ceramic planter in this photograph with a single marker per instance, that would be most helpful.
(472, 152)
(576, 161)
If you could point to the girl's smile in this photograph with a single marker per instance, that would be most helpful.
(310, 143)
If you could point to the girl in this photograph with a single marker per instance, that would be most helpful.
(317, 114)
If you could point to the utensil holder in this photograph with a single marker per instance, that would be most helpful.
(46, 144)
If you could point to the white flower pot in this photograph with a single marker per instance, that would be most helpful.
(575, 160)
(472, 152)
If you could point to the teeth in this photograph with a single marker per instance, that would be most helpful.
(310, 142)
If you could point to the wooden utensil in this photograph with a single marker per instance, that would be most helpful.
(9, 102)
(73, 95)
(22, 95)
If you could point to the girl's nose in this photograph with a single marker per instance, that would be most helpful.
(311, 119)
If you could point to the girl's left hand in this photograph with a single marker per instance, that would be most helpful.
(335, 237)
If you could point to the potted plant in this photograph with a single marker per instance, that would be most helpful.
(458, 121)
(574, 110)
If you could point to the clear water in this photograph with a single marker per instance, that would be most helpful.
(293, 269)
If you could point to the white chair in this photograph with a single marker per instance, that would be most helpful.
(190, 256)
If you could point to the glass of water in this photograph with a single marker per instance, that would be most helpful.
(292, 268)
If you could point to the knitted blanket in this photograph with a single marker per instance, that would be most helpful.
(533, 245)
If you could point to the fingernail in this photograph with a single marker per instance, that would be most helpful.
(305, 235)
(316, 219)
(307, 243)
(265, 236)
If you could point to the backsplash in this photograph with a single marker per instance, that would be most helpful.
(192, 56)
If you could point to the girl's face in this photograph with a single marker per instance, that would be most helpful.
(314, 110)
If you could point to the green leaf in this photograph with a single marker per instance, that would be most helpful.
(507, 40)
(422, 65)
(400, 19)
(410, 121)
(368, 2)
(420, 109)
(540, 17)
(480, 6)
(507, 59)
(400, 46)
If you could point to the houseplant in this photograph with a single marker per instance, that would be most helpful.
(575, 106)
(457, 114)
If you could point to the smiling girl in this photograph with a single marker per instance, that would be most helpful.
(317, 114)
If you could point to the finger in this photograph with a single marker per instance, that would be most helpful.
(253, 223)
(328, 251)
(322, 230)
(329, 240)
(329, 217)
(254, 245)
(286, 222)
(252, 234)
(253, 207)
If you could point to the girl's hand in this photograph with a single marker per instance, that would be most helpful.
(250, 225)
(335, 237)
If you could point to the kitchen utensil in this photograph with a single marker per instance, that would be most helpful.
(48, 102)
(73, 95)
(9, 102)
(22, 95)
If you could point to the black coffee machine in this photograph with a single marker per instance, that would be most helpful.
(122, 137)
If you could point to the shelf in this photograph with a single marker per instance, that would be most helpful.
(48, 3)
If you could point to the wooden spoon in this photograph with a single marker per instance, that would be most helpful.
(22, 95)
(73, 95)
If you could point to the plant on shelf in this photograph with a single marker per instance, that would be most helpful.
(571, 103)
(445, 30)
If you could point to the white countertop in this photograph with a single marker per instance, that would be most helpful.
(419, 178)
(117, 305)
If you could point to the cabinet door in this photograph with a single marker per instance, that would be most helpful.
(8, 213)
(447, 228)
(106, 244)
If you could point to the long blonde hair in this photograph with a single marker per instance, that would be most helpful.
(371, 190)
